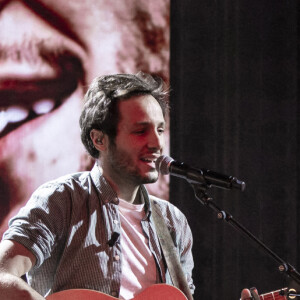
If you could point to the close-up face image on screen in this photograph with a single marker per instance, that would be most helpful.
(50, 51)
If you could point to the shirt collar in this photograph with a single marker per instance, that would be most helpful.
(107, 194)
(146, 200)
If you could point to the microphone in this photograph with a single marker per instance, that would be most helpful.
(114, 237)
(167, 165)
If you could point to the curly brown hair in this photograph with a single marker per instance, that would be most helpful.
(100, 109)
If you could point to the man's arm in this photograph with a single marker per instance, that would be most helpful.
(15, 261)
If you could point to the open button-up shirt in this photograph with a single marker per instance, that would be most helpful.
(72, 226)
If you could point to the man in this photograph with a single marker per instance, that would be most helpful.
(95, 230)
(49, 52)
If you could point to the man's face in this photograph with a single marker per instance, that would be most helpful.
(138, 143)
(49, 53)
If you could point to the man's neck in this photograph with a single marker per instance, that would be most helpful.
(125, 191)
(133, 198)
(124, 188)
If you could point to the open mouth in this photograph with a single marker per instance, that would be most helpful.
(23, 99)
(149, 160)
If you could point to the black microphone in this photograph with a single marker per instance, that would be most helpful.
(167, 165)
(114, 237)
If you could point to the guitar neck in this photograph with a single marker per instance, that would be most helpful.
(276, 295)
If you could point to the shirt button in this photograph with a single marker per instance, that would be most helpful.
(116, 221)
(117, 257)
(114, 294)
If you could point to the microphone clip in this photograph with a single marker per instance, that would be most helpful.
(114, 238)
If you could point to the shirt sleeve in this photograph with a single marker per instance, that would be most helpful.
(42, 221)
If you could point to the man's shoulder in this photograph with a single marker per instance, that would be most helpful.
(167, 207)
(154, 198)
(66, 181)
(161, 202)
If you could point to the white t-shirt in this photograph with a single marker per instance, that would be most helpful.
(138, 267)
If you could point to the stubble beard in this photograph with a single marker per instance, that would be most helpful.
(122, 165)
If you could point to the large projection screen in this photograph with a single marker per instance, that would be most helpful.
(50, 51)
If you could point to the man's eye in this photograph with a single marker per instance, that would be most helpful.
(161, 130)
(139, 132)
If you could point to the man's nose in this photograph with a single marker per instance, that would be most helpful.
(156, 140)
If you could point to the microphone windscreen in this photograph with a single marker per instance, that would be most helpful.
(162, 164)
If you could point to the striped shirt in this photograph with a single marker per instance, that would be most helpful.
(72, 226)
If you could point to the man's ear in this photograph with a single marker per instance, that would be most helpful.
(99, 139)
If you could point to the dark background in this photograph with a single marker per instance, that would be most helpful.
(234, 80)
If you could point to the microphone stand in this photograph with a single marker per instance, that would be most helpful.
(200, 191)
